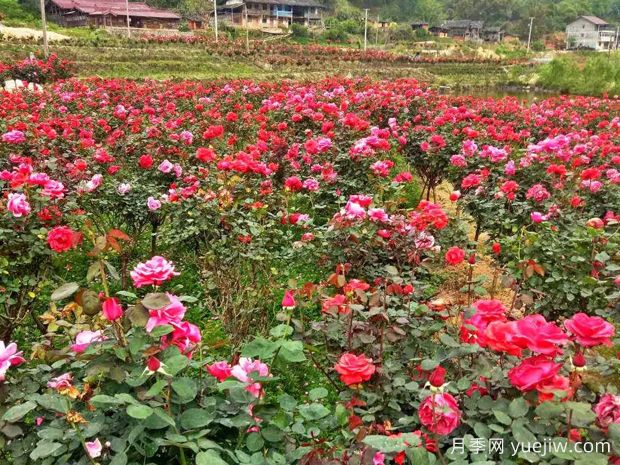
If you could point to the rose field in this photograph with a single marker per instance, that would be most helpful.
(348, 271)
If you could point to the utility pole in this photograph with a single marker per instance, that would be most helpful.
(46, 48)
(128, 22)
(529, 36)
(377, 31)
(247, 28)
(215, 19)
(365, 28)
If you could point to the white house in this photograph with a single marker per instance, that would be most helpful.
(590, 32)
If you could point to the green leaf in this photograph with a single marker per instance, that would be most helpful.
(318, 393)
(139, 412)
(53, 402)
(102, 400)
(156, 300)
(185, 388)
(287, 402)
(64, 291)
(313, 411)
(549, 410)
(156, 388)
(502, 417)
(129, 295)
(44, 449)
(272, 434)
(394, 444)
(429, 364)
(259, 347)
(17, 412)
(162, 415)
(292, 351)
(119, 458)
(254, 442)
(518, 408)
(281, 331)
(160, 331)
(195, 418)
(209, 457)
(175, 364)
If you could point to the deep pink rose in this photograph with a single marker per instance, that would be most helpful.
(607, 410)
(354, 369)
(532, 372)
(590, 331)
(440, 413)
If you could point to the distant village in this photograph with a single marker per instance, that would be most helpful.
(584, 33)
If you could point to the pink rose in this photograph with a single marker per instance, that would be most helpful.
(219, 370)
(245, 368)
(13, 137)
(18, 205)
(154, 271)
(9, 356)
(94, 448)
(63, 381)
(169, 314)
(607, 410)
(440, 413)
(111, 309)
(536, 334)
(590, 331)
(85, 339)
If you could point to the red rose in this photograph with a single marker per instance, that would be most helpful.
(354, 369)
(440, 413)
(503, 337)
(63, 238)
(556, 387)
(438, 377)
(145, 161)
(454, 256)
(590, 331)
(153, 364)
(533, 372)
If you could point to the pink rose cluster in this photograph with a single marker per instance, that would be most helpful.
(489, 327)
(242, 371)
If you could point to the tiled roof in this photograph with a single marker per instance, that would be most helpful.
(115, 8)
(462, 24)
(312, 3)
(595, 20)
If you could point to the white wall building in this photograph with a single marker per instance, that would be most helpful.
(590, 32)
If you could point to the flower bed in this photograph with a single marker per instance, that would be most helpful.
(35, 70)
(248, 273)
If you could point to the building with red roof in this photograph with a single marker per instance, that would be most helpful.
(110, 13)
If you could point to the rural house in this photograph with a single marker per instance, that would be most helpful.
(419, 25)
(492, 34)
(274, 13)
(463, 29)
(590, 32)
(105, 13)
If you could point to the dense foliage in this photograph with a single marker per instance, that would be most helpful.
(250, 273)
